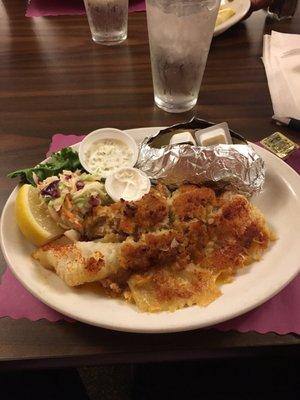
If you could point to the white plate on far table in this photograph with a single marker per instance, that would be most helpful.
(279, 201)
(241, 7)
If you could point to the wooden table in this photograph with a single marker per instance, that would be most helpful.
(53, 79)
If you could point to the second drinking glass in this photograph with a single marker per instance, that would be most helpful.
(180, 33)
(108, 20)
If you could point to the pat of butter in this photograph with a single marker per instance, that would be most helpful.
(183, 137)
(214, 135)
(210, 139)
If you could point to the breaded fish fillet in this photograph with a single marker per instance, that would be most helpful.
(129, 217)
(79, 262)
(151, 250)
(191, 201)
(171, 288)
(164, 251)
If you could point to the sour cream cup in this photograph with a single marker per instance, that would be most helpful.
(130, 184)
(93, 146)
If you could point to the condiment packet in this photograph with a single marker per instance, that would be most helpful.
(279, 144)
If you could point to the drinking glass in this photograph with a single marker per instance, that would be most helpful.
(108, 20)
(180, 33)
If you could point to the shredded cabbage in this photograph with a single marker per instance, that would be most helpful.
(80, 187)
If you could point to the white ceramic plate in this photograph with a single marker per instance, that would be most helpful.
(241, 7)
(280, 202)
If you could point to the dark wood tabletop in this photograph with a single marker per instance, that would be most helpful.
(54, 79)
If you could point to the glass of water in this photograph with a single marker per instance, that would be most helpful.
(108, 20)
(180, 33)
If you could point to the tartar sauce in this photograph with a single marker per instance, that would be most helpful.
(105, 156)
(127, 183)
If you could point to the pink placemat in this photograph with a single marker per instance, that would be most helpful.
(48, 8)
(280, 314)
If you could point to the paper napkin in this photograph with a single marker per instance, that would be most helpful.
(281, 58)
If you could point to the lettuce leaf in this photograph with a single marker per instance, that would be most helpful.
(67, 158)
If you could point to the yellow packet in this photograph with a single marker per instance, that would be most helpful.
(279, 144)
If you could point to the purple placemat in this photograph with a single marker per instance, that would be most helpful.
(280, 314)
(47, 8)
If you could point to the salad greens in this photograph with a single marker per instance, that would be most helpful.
(67, 159)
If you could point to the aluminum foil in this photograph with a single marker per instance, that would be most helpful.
(235, 165)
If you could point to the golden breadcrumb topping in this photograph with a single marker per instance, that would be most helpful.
(167, 250)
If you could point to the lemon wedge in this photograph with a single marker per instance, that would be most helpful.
(33, 217)
(224, 15)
